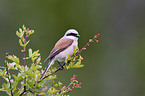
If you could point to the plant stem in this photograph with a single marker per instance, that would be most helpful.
(25, 61)
(91, 40)
(8, 74)
(68, 91)
(26, 91)
(49, 74)
(66, 87)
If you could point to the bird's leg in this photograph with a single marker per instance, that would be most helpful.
(61, 66)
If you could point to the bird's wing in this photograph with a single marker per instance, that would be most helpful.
(61, 45)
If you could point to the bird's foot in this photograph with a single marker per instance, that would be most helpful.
(61, 67)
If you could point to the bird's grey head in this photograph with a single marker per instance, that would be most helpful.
(72, 34)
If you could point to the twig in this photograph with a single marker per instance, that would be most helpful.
(91, 40)
(24, 40)
(66, 87)
(22, 93)
(8, 74)
(68, 91)
(60, 68)
(25, 61)
(20, 89)
(26, 91)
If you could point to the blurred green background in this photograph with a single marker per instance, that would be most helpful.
(113, 67)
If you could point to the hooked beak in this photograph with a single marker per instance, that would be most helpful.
(77, 35)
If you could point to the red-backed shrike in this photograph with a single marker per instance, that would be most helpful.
(62, 48)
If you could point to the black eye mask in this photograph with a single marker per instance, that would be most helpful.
(73, 34)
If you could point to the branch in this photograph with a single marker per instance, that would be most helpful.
(60, 68)
(24, 40)
(25, 61)
(8, 74)
(68, 89)
(22, 93)
(90, 41)
(26, 91)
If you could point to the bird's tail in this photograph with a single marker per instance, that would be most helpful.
(49, 64)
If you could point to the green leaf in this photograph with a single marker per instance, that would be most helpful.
(20, 30)
(70, 65)
(75, 49)
(16, 92)
(30, 83)
(12, 66)
(30, 52)
(4, 72)
(15, 82)
(23, 27)
(55, 84)
(38, 60)
(1, 89)
(6, 87)
(31, 32)
(21, 34)
(52, 91)
(13, 58)
(35, 53)
(30, 73)
(18, 34)
(20, 67)
(78, 65)
(20, 42)
(1, 72)
(26, 43)
(68, 58)
(75, 63)
(52, 77)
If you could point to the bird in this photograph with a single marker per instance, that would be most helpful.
(62, 48)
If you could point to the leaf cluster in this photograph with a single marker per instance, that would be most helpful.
(25, 80)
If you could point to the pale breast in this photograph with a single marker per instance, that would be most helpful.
(62, 55)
